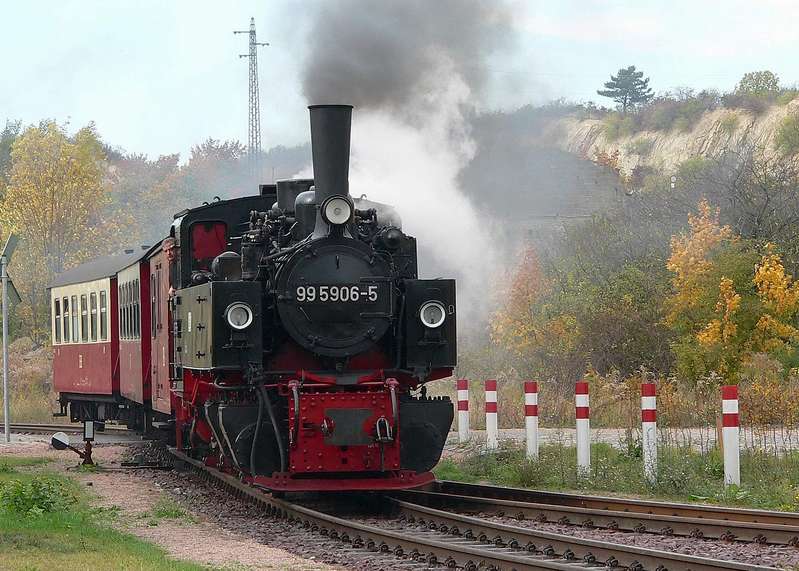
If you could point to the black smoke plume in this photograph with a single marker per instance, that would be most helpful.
(380, 54)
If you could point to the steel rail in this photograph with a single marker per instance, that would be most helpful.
(638, 522)
(433, 544)
(586, 550)
(45, 428)
(619, 504)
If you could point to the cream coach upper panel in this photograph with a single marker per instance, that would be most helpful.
(85, 316)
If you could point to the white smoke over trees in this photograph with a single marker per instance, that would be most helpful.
(414, 70)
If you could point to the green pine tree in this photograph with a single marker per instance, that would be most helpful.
(628, 88)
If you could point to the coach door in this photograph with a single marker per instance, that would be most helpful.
(160, 332)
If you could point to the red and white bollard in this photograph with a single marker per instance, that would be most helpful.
(463, 410)
(730, 435)
(649, 430)
(492, 442)
(583, 413)
(531, 417)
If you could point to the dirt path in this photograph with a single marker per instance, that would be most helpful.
(191, 538)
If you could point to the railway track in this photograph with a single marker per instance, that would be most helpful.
(412, 531)
(34, 428)
(640, 516)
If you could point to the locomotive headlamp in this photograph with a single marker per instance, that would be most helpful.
(337, 210)
(238, 315)
(432, 314)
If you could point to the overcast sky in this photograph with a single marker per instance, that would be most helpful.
(157, 77)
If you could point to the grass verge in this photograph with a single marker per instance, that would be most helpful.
(685, 475)
(47, 522)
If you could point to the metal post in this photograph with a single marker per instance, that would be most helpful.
(463, 410)
(731, 435)
(6, 392)
(491, 415)
(649, 430)
(531, 417)
(583, 415)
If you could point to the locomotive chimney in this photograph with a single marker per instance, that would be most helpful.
(330, 146)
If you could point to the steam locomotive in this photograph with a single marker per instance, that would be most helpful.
(283, 337)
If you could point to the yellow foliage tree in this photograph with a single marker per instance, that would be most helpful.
(779, 295)
(722, 328)
(53, 201)
(690, 261)
(522, 324)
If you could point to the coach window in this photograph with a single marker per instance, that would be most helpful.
(57, 321)
(152, 306)
(84, 319)
(136, 309)
(93, 316)
(65, 307)
(126, 307)
(158, 298)
(208, 240)
(75, 317)
(103, 316)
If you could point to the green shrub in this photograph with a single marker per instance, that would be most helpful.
(617, 125)
(787, 137)
(787, 96)
(40, 494)
(729, 123)
(679, 111)
(755, 103)
(641, 146)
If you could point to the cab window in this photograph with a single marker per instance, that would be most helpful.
(208, 240)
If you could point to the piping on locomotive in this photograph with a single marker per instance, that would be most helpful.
(288, 338)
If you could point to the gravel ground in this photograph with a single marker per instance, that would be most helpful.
(229, 531)
(244, 519)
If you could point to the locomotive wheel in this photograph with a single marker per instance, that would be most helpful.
(267, 455)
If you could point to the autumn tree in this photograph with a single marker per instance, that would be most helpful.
(54, 201)
(7, 137)
(628, 88)
(141, 191)
(517, 323)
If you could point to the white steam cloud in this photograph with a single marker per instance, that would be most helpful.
(414, 165)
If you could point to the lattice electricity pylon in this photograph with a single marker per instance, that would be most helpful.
(254, 129)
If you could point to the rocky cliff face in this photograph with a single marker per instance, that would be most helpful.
(665, 150)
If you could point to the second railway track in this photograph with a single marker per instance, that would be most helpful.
(640, 516)
(420, 533)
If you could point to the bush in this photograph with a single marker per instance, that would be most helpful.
(679, 111)
(787, 137)
(41, 494)
(729, 123)
(787, 96)
(641, 146)
(617, 125)
(752, 102)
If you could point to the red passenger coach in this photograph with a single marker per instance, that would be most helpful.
(134, 341)
(93, 364)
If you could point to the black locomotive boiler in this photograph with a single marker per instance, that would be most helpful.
(300, 338)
